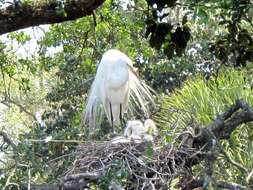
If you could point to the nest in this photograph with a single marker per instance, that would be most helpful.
(134, 164)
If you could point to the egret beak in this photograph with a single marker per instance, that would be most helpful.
(132, 69)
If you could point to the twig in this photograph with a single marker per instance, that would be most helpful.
(249, 176)
(239, 166)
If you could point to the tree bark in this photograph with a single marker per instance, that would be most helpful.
(21, 15)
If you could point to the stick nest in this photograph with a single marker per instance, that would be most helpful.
(138, 164)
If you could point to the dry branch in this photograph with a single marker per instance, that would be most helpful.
(22, 14)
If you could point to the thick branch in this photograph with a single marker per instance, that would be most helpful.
(225, 123)
(228, 121)
(195, 183)
(21, 15)
(230, 185)
(70, 182)
(91, 176)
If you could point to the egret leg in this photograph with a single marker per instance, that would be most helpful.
(122, 121)
(92, 111)
(92, 116)
(111, 117)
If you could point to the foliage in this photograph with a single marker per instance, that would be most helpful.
(201, 101)
(118, 174)
(232, 45)
(169, 42)
(205, 99)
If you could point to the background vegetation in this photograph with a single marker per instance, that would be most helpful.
(197, 56)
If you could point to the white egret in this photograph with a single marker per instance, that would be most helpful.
(137, 131)
(115, 90)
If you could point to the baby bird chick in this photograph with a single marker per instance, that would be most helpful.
(137, 131)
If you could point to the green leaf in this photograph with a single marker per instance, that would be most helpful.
(20, 37)
(201, 13)
(149, 150)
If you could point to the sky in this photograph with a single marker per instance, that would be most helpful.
(30, 48)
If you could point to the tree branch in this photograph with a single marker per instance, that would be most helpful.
(230, 185)
(91, 176)
(22, 15)
(225, 123)
(195, 183)
(70, 182)
(8, 140)
(9, 101)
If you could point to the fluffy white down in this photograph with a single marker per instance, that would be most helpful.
(136, 130)
(115, 83)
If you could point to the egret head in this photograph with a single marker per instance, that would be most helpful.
(132, 68)
(151, 127)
